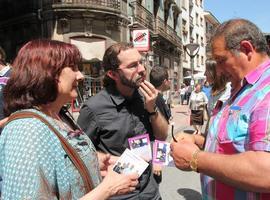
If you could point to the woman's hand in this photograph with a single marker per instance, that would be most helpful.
(105, 160)
(113, 184)
(117, 184)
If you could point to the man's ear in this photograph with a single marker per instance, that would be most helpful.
(112, 74)
(247, 48)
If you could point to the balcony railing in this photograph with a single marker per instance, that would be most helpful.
(191, 23)
(142, 15)
(114, 5)
(160, 27)
(167, 32)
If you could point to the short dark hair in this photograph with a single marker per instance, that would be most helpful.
(35, 71)
(158, 75)
(110, 60)
(236, 30)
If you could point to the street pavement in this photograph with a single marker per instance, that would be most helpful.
(176, 184)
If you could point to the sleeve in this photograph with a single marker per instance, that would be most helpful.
(87, 120)
(163, 107)
(30, 161)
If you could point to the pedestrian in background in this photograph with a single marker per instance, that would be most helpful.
(182, 92)
(125, 108)
(235, 161)
(220, 87)
(206, 88)
(197, 104)
(159, 77)
(34, 162)
(188, 93)
(4, 76)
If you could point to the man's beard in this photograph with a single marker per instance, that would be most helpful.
(135, 84)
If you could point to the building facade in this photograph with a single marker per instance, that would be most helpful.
(211, 23)
(94, 25)
(193, 31)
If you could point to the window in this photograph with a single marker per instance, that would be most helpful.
(202, 60)
(201, 21)
(202, 42)
(197, 19)
(197, 38)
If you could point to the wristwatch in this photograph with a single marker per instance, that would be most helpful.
(155, 111)
(193, 163)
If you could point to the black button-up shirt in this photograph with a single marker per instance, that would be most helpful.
(109, 119)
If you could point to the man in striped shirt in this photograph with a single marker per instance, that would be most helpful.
(235, 161)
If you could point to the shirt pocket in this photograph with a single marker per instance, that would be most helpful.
(234, 133)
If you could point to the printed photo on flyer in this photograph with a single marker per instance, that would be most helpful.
(141, 146)
(130, 163)
(161, 153)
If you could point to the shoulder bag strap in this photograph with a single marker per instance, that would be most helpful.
(71, 152)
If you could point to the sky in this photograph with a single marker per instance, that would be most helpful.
(257, 11)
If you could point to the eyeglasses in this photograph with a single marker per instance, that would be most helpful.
(134, 66)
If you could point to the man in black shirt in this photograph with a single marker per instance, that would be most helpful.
(124, 108)
(159, 77)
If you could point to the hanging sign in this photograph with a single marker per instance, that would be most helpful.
(141, 39)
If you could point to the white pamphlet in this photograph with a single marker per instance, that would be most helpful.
(130, 163)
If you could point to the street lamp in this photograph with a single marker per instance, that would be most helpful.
(192, 50)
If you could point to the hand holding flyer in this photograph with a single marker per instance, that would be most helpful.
(140, 145)
(161, 153)
(130, 163)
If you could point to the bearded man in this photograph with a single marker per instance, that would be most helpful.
(125, 108)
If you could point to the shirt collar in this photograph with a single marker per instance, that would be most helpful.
(255, 75)
(119, 99)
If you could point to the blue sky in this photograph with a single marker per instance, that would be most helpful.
(257, 11)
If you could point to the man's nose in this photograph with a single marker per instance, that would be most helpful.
(141, 68)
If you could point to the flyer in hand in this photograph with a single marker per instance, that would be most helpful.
(140, 145)
(130, 163)
(161, 153)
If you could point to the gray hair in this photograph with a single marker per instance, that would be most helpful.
(236, 30)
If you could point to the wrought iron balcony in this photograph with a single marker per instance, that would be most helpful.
(105, 5)
(142, 15)
(191, 23)
(167, 32)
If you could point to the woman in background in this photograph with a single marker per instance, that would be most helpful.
(197, 104)
(220, 87)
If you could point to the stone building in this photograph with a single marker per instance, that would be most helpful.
(93, 25)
